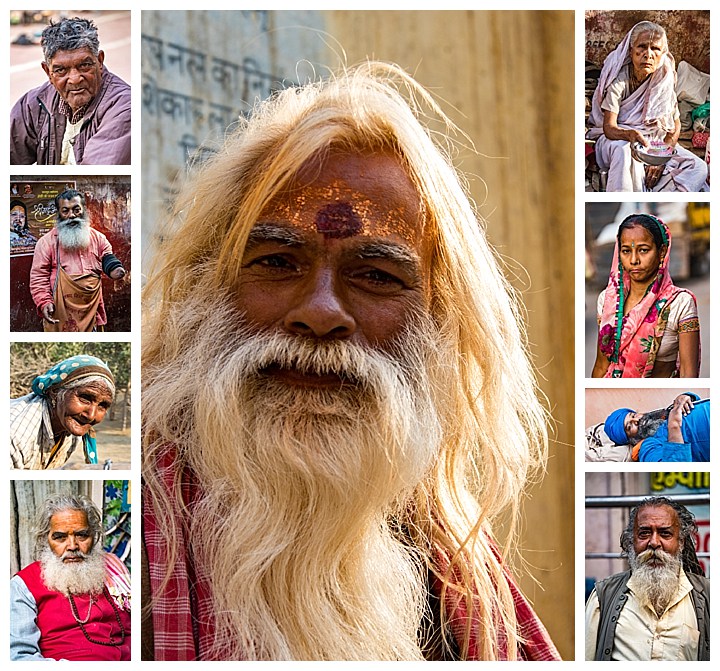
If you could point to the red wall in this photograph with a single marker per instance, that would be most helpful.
(688, 33)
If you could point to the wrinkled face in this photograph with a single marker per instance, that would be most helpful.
(639, 254)
(70, 208)
(17, 217)
(80, 408)
(339, 254)
(646, 53)
(632, 420)
(76, 75)
(70, 534)
(657, 527)
(640, 425)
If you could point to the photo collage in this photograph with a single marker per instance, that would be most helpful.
(305, 361)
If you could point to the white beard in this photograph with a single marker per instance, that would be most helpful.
(306, 490)
(655, 585)
(73, 233)
(87, 577)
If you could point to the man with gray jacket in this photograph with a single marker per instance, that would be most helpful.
(660, 608)
(81, 115)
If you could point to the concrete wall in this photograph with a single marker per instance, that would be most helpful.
(599, 403)
(604, 525)
(200, 72)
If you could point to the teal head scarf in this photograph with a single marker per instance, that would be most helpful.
(74, 368)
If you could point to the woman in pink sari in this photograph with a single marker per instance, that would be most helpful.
(647, 326)
(635, 102)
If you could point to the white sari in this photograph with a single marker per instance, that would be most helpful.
(650, 109)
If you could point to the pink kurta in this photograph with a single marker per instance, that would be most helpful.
(75, 262)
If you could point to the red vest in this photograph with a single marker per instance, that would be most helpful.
(60, 634)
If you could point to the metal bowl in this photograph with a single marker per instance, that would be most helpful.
(641, 154)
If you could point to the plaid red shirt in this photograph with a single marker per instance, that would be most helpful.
(182, 612)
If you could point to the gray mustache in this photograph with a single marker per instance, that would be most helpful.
(75, 222)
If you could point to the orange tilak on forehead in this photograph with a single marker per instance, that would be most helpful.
(337, 211)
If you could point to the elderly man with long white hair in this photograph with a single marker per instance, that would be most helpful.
(73, 602)
(337, 398)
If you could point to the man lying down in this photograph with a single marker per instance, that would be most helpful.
(680, 432)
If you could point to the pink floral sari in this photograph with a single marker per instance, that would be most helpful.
(631, 342)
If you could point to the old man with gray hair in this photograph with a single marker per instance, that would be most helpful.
(68, 263)
(334, 380)
(73, 603)
(81, 115)
(660, 608)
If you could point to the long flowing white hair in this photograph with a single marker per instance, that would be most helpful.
(494, 435)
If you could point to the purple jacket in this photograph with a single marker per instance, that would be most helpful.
(37, 126)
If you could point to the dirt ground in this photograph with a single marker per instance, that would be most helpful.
(113, 443)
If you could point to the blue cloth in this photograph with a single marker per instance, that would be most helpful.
(696, 437)
(90, 447)
(615, 426)
(70, 369)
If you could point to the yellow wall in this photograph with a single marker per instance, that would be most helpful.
(507, 80)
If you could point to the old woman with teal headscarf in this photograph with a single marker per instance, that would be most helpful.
(59, 415)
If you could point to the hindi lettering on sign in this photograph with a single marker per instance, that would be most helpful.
(154, 47)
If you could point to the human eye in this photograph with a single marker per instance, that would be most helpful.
(82, 534)
(57, 536)
(278, 261)
(381, 277)
(86, 66)
(86, 398)
(273, 264)
(377, 280)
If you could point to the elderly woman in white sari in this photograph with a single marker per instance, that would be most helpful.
(635, 102)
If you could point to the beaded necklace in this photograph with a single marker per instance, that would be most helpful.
(82, 623)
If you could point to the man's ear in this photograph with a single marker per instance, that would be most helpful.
(46, 68)
(101, 57)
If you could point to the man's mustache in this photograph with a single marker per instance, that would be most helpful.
(657, 555)
(74, 222)
(73, 554)
(353, 363)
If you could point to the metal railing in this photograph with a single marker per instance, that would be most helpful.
(631, 501)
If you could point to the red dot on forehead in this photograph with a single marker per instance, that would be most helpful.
(338, 220)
